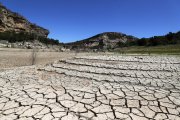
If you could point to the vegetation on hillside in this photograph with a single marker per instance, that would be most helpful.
(99, 38)
(168, 39)
(13, 37)
(168, 43)
(110, 35)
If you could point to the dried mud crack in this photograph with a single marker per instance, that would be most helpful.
(102, 87)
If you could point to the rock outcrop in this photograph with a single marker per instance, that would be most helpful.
(11, 21)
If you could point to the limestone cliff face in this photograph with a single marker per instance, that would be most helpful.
(11, 21)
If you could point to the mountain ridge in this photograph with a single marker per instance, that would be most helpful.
(103, 40)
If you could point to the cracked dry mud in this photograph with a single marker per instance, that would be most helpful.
(93, 88)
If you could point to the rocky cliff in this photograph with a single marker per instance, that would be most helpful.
(11, 21)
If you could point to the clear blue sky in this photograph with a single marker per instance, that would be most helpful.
(71, 20)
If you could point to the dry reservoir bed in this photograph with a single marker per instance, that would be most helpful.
(100, 87)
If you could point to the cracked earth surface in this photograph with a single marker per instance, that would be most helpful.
(104, 87)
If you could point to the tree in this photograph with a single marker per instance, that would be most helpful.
(121, 44)
(13, 37)
(101, 44)
(142, 42)
(170, 38)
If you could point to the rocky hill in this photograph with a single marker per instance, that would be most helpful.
(17, 32)
(11, 21)
(106, 40)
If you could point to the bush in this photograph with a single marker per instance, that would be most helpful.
(13, 37)
(142, 42)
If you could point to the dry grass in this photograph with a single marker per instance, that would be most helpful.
(164, 49)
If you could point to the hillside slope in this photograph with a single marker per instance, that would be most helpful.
(11, 21)
(106, 40)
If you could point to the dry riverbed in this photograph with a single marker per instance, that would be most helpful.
(93, 87)
(10, 58)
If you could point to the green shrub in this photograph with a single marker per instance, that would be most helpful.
(13, 37)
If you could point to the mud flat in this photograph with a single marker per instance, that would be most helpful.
(12, 57)
(97, 87)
